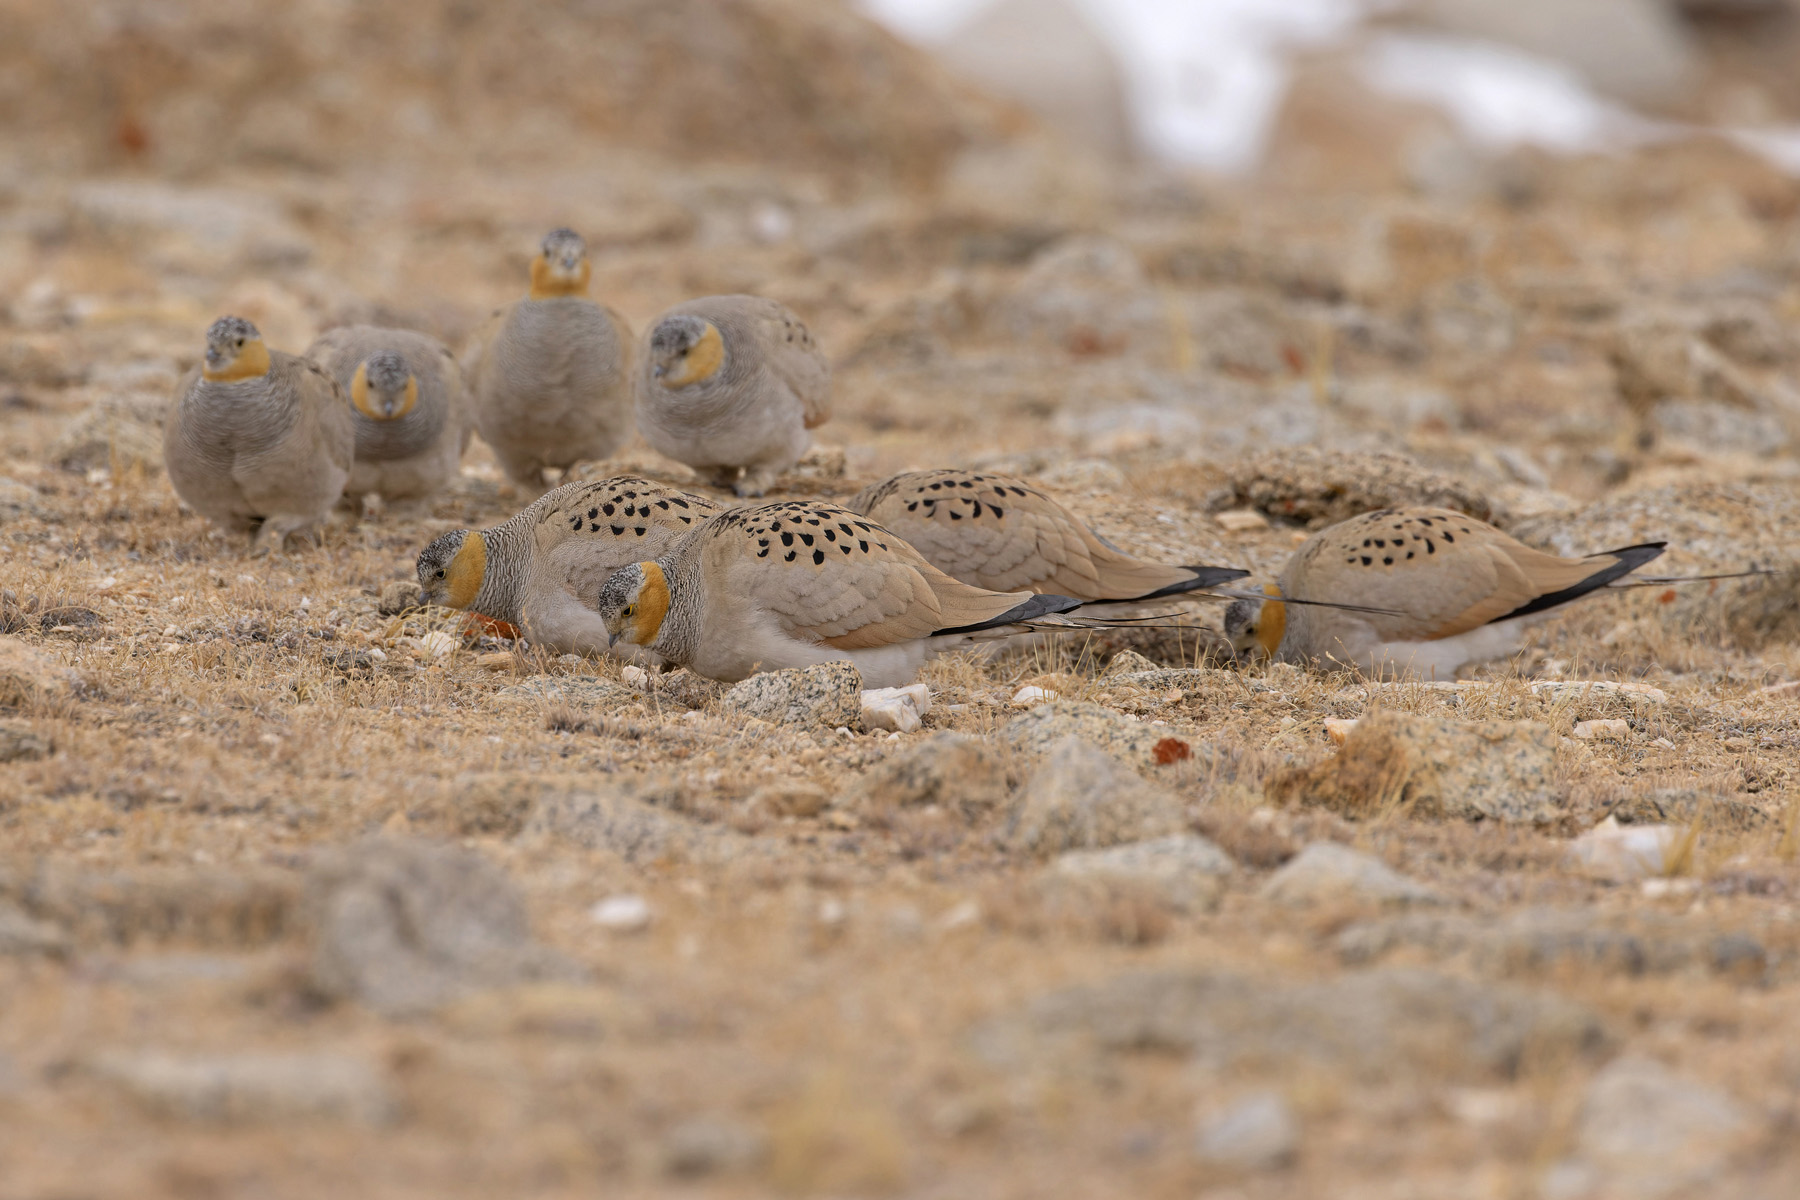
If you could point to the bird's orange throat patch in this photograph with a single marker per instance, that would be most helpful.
(702, 362)
(652, 605)
(1271, 623)
(252, 362)
(467, 570)
(365, 404)
(547, 283)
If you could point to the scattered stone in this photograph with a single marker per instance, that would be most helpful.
(21, 933)
(1587, 698)
(30, 678)
(953, 770)
(1033, 734)
(1338, 729)
(685, 687)
(1614, 729)
(1188, 680)
(1241, 520)
(1258, 1133)
(1183, 871)
(1317, 487)
(397, 596)
(898, 709)
(1081, 797)
(1127, 662)
(252, 1086)
(1327, 873)
(583, 693)
(628, 815)
(118, 432)
(1435, 768)
(712, 1145)
(827, 695)
(1545, 940)
(624, 913)
(435, 645)
(238, 908)
(1646, 1132)
(1377, 1024)
(1031, 694)
(19, 742)
(789, 798)
(1618, 853)
(406, 925)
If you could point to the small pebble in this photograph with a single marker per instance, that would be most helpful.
(624, 913)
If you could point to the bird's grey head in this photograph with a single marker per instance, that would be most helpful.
(633, 602)
(387, 372)
(564, 249)
(1240, 624)
(227, 341)
(685, 349)
(437, 563)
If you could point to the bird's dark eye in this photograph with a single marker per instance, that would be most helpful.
(630, 610)
(440, 574)
(240, 343)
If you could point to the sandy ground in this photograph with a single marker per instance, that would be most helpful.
(846, 987)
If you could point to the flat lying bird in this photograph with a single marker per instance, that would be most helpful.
(408, 407)
(257, 440)
(536, 575)
(800, 583)
(1000, 533)
(729, 384)
(550, 375)
(1443, 590)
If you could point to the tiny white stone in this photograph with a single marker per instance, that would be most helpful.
(626, 912)
(1032, 694)
(1241, 520)
(1338, 728)
(966, 913)
(832, 911)
(436, 644)
(1610, 730)
(377, 653)
(636, 677)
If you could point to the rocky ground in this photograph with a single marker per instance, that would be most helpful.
(302, 891)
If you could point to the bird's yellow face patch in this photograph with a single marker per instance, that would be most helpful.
(467, 570)
(366, 404)
(1271, 623)
(701, 362)
(251, 361)
(645, 614)
(549, 280)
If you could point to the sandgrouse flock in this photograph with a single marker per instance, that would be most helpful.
(267, 443)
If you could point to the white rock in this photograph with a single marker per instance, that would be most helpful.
(623, 913)
(1184, 870)
(1326, 872)
(898, 709)
(1241, 520)
(1338, 729)
(1617, 853)
(1647, 1132)
(435, 645)
(1610, 730)
(1257, 1133)
(635, 677)
(1031, 694)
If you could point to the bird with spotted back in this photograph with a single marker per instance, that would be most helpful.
(732, 387)
(408, 407)
(536, 575)
(796, 584)
(1000, 533)
(258, 441)
(550, 374)
(1440, 590)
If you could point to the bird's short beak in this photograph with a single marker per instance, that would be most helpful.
(213, 357)
(570, 262)
(389, 406)
(612, 639)
(659, 370)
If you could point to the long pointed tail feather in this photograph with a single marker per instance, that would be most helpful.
(1203, 577)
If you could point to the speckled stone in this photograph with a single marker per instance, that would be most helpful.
(1322, 487)
(581, 692)
(19, 742)
(1193, 680)
(827, 695)
(1030, 736)
(953, 770)
(1435, 768)
(1326, 873)
(1184, 871)
(1083, 798)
